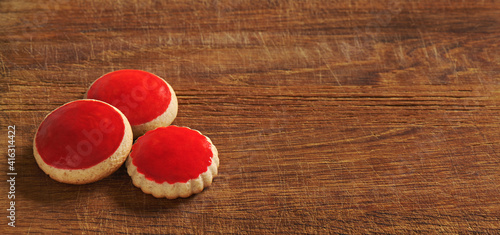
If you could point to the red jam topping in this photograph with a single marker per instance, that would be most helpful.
(79, 134)
(172, 154)
(140, 95)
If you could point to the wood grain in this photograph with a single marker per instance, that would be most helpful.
(329, 116)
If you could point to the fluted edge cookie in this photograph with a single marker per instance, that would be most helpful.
(170, 178)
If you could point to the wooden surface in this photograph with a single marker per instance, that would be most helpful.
(329, 116)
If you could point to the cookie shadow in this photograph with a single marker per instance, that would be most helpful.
(34, 185)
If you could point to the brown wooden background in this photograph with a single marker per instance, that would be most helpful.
(329, 116)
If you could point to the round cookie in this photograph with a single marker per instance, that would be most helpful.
(172, 162)
(146, 100)
(82, 142)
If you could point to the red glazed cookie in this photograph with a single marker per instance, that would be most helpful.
(146, 100)
(173, 162)
(82, 141)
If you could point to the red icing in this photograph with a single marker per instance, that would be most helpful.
(172, 154)
(79, 134)
(140, 95)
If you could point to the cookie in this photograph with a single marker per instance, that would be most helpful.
(146, 100)
(172, 162)
(82, 142)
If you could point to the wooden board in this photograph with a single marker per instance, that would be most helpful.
(329, 116)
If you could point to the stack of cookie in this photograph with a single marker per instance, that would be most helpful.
(86, 140)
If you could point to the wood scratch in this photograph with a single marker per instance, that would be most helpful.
(327, 65)
(424, 46)
(265, 46)
(3, 72)
(76, 52)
